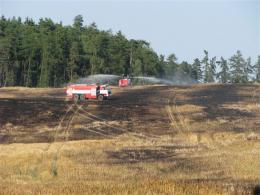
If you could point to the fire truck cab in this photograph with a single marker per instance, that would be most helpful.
(84, 91)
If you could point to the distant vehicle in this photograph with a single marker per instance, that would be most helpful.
(124, 82)
(84, 92)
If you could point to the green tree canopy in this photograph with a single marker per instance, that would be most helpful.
(46, 53)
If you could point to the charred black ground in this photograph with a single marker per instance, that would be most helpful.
(42, 117)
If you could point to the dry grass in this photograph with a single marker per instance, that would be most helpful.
(24, 92)
(88, 167)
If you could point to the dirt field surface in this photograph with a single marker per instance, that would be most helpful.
(200, 139)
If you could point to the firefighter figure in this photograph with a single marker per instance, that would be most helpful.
(99, 96)
(98, 89)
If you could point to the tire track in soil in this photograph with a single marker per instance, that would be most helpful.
(67, 128)
(255, 95)
(175, 118)
(67, 118)
(66, 131)
(93, 117)
(171, 116)
(75, 109)
(64, 117)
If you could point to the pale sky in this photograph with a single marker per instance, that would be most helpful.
(185, 28)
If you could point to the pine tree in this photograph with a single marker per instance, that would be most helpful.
(74, 58)
(257, 70)
(78, 22)
(248, 70)
(185, 68)
(150, 60)
(118, 54)
(171, 66)
(136, 67)
(212, 70)
(4, 51)
(48, 58)
(143, 59)
(30, 55)
(205, 61)
(160, 68)
(61, 51)
(9, 54)
(196, 70)
(135, 62)
(223, 75)
(4, 60)
(91, 45)
(237, 65)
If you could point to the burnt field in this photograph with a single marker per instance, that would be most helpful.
(44, 115)
(203, 137)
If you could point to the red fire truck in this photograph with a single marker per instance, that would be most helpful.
(84, 91)
(124, 82)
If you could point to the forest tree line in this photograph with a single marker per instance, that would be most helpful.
(48, 54)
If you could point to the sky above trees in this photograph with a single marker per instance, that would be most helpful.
(185, 28)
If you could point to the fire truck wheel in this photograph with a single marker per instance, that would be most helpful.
(100, 97)
(76, 97)
(82, 97)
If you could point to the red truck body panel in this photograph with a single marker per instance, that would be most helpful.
(123, 82)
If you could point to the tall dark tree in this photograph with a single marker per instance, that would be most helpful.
(248, 70)
(237, 66)
(4, 60)
(205, 62)
(160, 68)
(61, 52)
(143, 59)
(257, 70)
(224, 75)
(185, 68)
(196, 70)
(118, 54)
(48, 60)
(73, 61)
(78, 22)
(212, 70)
(171, 66)
(91, 40)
